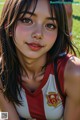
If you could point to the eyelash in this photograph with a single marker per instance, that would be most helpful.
(29, 21)
(50, 26)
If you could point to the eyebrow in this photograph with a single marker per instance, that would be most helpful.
(31, 13)
(51, 18)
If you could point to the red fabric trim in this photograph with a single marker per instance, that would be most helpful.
(36, 106)
(61, 68)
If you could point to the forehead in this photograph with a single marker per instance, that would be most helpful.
(42, 8)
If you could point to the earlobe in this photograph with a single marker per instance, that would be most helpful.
(5, 27)
(10, 34)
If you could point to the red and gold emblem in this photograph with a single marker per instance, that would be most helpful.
(53, 99)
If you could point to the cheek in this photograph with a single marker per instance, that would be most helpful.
(22, 31)
(51, 37)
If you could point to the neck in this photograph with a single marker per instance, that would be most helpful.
(32, 67)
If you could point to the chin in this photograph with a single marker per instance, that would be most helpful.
(32, 56)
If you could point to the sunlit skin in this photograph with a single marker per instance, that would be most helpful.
(38, 29)
(34, 37)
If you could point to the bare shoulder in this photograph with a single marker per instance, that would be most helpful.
(73, 66)
(72, 78)
(72, 89)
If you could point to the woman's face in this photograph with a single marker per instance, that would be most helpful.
(34, 36)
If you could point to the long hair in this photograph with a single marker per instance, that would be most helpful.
(10, 65)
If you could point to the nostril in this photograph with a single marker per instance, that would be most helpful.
(37, 36)
(34, 36)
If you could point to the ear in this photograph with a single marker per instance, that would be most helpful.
(5, 27)
(10, 33)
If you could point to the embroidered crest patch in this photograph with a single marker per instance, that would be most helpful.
(53, 99)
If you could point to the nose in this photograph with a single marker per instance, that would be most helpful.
(37, 36)
(38, 33)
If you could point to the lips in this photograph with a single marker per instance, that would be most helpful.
(34, 46)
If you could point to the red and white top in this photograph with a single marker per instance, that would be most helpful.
(45, 103)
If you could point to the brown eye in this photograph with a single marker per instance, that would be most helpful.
(50, 26)
(27, 21)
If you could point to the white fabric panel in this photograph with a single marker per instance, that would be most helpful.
(23, 110)
(51, 112)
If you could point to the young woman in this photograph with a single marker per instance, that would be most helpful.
(39, 79)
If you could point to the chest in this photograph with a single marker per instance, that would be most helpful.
(44, 104)
(33, 83)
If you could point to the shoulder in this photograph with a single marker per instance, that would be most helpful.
(73, 66)
(72, 78)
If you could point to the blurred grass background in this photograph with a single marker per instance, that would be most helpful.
(76, 25)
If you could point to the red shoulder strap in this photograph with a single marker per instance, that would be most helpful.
(61, 64)
(59, 67)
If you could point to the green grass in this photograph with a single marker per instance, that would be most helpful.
(2, 0)
(1, 5)
(76, 25)
(76, 21)
(0, 8)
